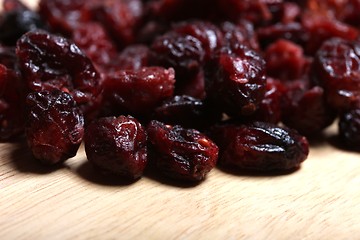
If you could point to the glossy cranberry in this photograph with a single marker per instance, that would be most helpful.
(207, 33)
(51, 62)
(138, 91)
(184, 154)
(236, 81)
(184, 53)
(336, 68)
(260, 146)
(117, 146)
(55, 126)
(12, 104)
(241, 33)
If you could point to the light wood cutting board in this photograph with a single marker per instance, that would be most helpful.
(320, 201)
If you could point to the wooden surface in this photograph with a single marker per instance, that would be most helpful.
(320, 201)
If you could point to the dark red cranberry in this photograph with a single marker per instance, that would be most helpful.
(306, 109)
(138, 91)
(236, 81)
(207, 33)
(51, 62)
(12, 104)
(117, 146)
(121, 18)
(285, 60)
(336, 68)
(55, 126)
(13, 5)
(94, 41)
(349, 128)
(184, 53)
(184, 154)
(260, 146)
(241, 33)
(186, 111)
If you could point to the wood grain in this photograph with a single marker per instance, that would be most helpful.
(320, 201)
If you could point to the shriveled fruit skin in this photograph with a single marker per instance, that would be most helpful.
(138, 92)
(336, 68)
(179, 153)
(50, 62)
(55, 126)
(117, 146)
(260, 146)
(236, 80)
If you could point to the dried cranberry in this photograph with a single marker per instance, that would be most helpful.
(186, 111)
(184, 154)
(207, 33)
(138, 91)
(184, 53)
(336, 68)
(12, 104)
(260, 146)
(117, 146)
(55, 126)
(194, 86)
(241, 33)
(285, 60)
(51, 62)
(306, 109)
(349, 128)
(13, 5)
(236, 81)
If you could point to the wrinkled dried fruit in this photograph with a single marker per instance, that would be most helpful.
(117, 146)
(138, 92)
(50, 62)
(260, 146)
(236, 81)
(184, 154)
(55, 126)
(349, 128)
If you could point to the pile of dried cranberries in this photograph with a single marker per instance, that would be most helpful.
(179, 85)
